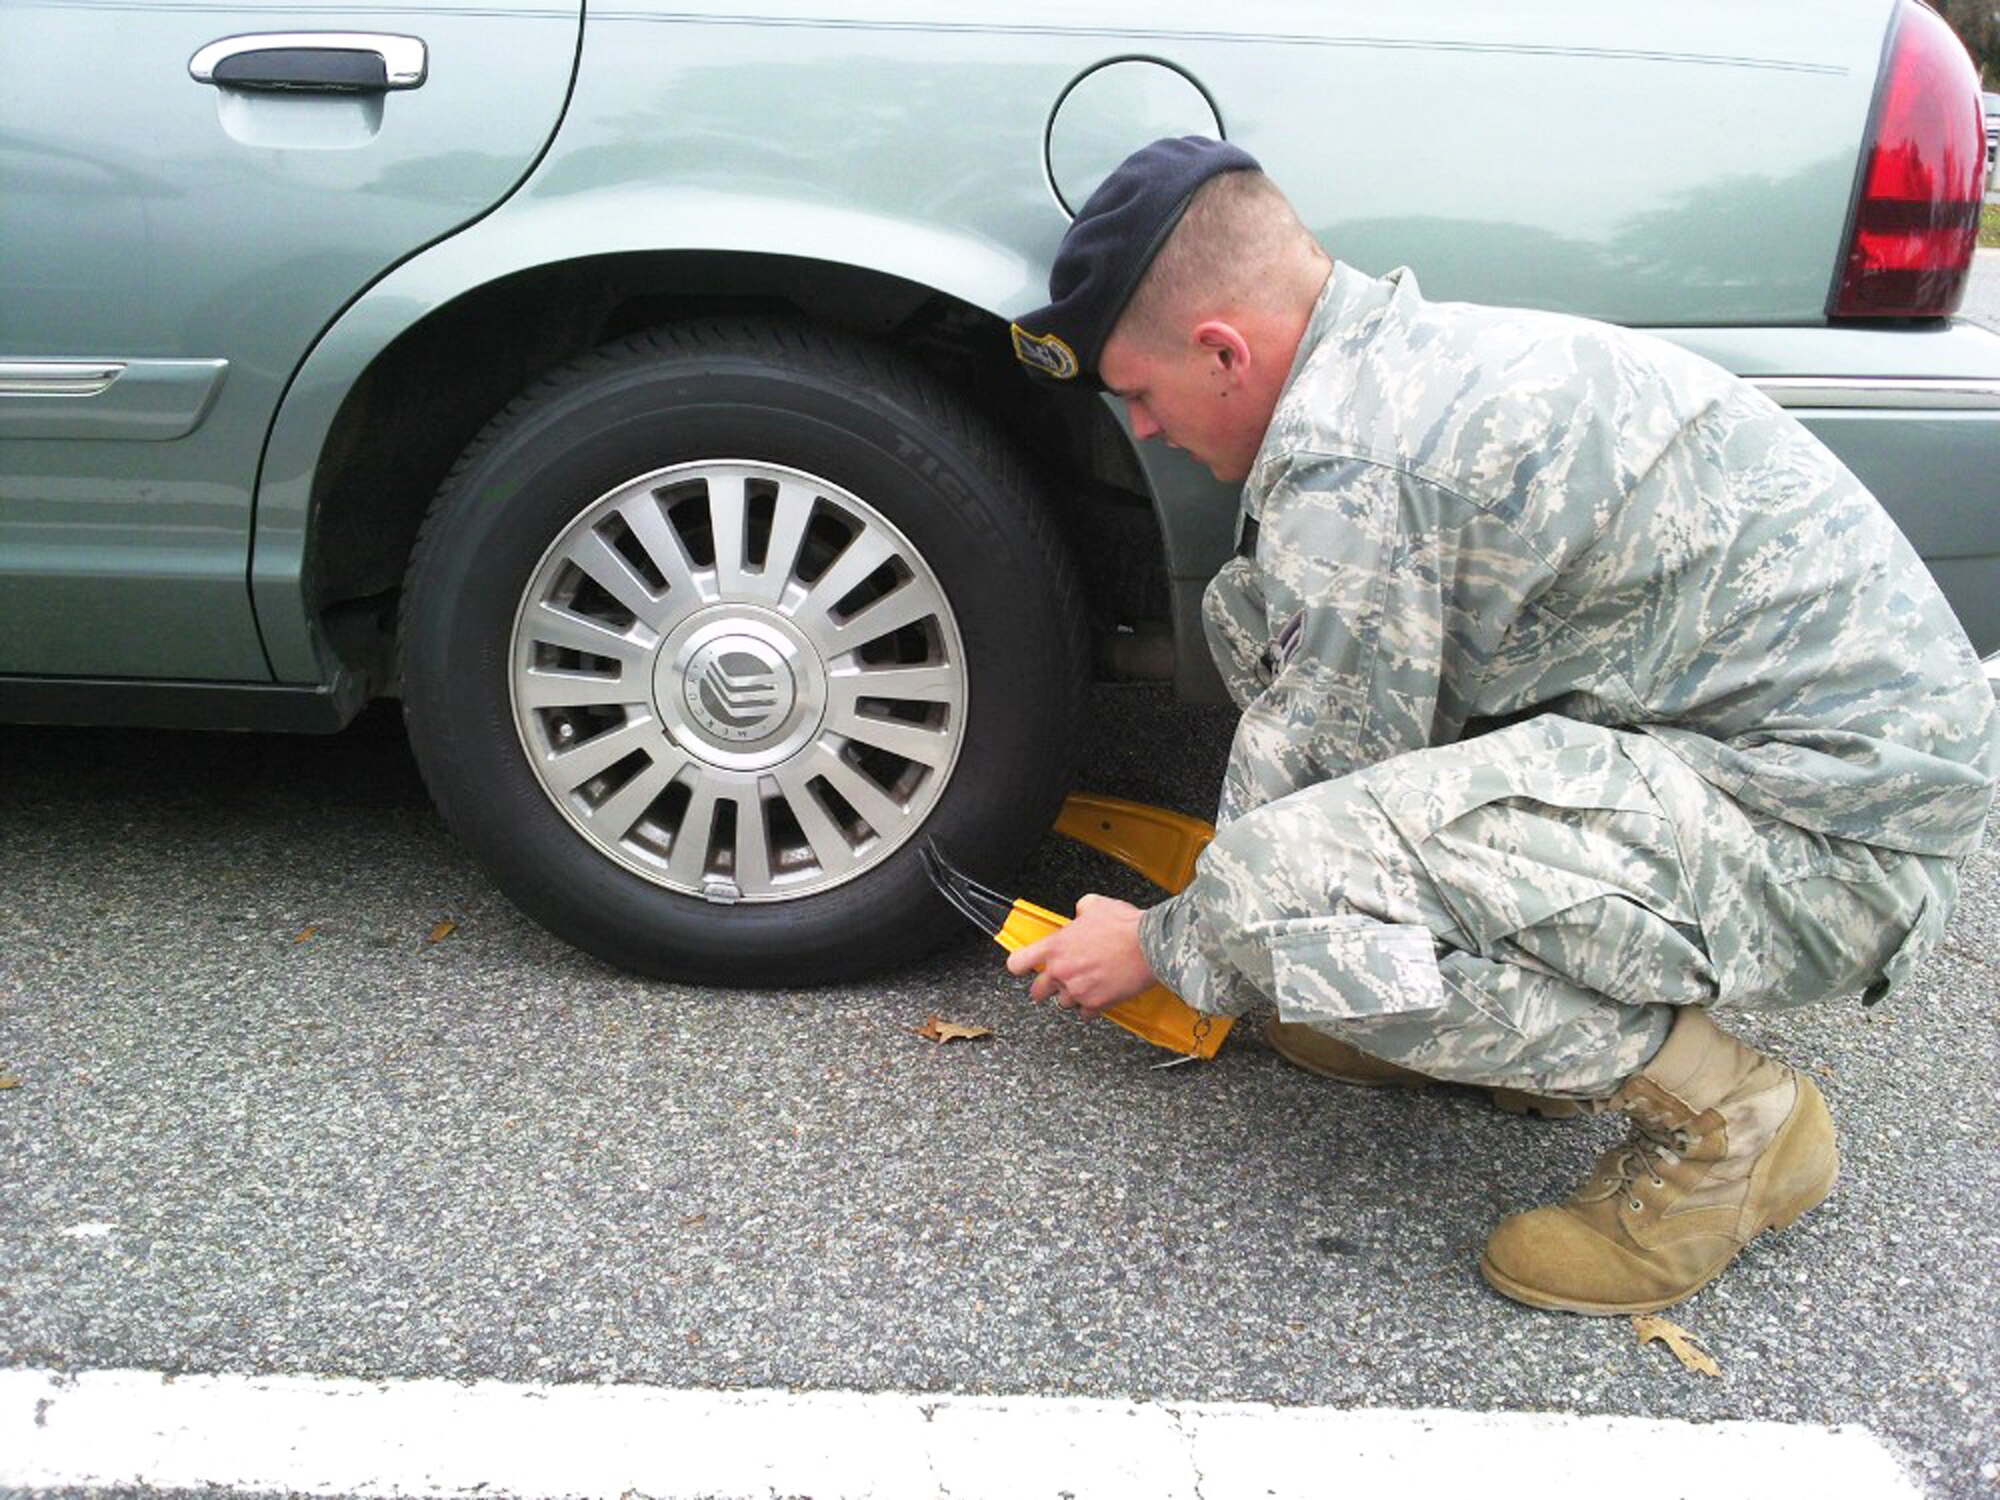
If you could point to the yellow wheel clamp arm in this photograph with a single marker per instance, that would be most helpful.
(1160, 845)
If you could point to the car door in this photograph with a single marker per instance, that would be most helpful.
(189, 193)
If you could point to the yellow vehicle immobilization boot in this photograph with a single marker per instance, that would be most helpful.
(1158, 844)
(1316, 1052)
(1726, 1143)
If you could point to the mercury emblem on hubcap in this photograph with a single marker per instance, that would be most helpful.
(738, 689)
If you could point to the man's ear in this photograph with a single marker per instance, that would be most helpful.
(1224, 343)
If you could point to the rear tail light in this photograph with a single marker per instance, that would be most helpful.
(1918, 215)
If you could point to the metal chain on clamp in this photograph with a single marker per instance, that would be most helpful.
(1203, 1023)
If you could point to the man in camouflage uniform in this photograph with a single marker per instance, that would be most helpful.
(1585, 694)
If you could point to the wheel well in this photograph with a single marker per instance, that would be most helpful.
(427, 395)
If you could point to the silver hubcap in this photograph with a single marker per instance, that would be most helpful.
(738, 680)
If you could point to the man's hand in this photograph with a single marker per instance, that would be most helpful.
(1092, 964)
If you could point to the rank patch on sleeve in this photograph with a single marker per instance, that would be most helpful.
(1044, 352)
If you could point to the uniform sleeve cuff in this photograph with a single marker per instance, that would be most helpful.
(1171, 940)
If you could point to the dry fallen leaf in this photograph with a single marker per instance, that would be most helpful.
(941, 1031)
(303, 935)
(442, 931)
(1686, 1346)
(9, 1081)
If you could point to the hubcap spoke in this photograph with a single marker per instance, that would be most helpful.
(688, 858)
(614, 818)
(570, 769)
(894, 684)
(929, 747)
(551, 626)
(887, 615)
(788, 532)
(753, 841)
(863, 556)
(729, 517)
(545, 687)
(616, 577)
(829, 845)
(663, 549)
(875, 806)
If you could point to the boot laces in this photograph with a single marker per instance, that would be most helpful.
(1649, 1143)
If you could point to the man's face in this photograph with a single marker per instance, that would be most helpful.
(1191, 395)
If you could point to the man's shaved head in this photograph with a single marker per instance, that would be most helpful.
(1238, 248)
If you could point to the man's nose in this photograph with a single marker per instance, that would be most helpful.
(1143, 425)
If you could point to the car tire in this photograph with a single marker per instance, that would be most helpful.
(659, 684)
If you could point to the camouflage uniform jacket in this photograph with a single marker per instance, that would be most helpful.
(1471, 514)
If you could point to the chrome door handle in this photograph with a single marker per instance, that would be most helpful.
(326, 62)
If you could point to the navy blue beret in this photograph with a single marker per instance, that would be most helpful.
(1108, 248)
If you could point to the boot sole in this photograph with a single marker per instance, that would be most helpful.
(1507, 1101)
(1508, 1287)
(1407, 1080)
(1533, 1298)
(1362, 1083)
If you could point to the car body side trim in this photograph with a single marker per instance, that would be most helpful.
(56, 377)
(136, 400)
(1880, 394)
(127, 704)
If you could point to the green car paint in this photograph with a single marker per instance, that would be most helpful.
(1687, 169)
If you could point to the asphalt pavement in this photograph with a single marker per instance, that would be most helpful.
(272, 1116)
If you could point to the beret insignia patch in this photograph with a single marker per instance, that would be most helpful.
(1046, 353)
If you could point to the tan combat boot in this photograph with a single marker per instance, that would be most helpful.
(1726, 1143)
(1330, 1057)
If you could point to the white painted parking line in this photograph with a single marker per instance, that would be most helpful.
(430, 1437)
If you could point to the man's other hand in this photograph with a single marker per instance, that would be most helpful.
(1093, 963)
